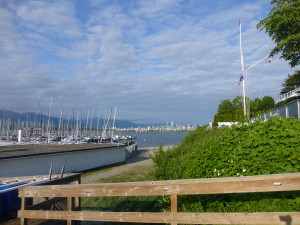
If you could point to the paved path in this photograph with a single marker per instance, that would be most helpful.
(141, 158)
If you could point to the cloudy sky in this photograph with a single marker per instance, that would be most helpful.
(155, 60)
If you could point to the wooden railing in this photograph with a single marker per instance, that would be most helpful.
(250, 184)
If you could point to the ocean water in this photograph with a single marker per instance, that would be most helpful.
(154, 139)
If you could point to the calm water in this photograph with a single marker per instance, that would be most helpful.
(153, 139)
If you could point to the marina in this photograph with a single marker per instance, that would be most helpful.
(31, 149)
(36, 128)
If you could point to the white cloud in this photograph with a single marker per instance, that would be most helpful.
(48, 18)
(172, 60)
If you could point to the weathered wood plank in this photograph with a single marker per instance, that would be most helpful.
(265, 183)
(179, 218)
(69, 208)
(174, 205)
(77, 200)
(24, 206)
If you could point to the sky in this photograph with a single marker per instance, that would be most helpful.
(155, 60)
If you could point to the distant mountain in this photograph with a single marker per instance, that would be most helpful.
(23, 117)
(124, 124)
(40, 118)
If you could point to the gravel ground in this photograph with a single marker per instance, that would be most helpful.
(141, 158)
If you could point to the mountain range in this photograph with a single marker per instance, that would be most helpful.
(40, 118)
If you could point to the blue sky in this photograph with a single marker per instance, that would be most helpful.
(156, 60)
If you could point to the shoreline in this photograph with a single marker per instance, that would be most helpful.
(141, 158)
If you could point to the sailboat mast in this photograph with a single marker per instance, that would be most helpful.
(98, 123)
(87, 122)
(242, 64)
(113, 126)
(91, 123)
(49, 118)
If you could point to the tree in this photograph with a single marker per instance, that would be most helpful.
(225, 107)
(267, 103)
(256, 107)
(283, 25)
(239, 115)
(291, 82)
(229, 111)
(217, 118)
(238, 102)
(228, 117)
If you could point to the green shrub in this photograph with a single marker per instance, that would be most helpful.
(258, 148)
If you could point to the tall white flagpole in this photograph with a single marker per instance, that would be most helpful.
(242, 64)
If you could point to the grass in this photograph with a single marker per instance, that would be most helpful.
(99, 169)
(137, 173)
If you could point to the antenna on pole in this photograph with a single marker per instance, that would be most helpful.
(243, 80)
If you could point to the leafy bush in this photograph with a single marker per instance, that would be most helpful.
(258, 148)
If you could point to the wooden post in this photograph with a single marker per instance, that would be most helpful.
(174, 205)
(77, 200)
(63, 170)
(69, 208)
(24, 206)
(50, 171)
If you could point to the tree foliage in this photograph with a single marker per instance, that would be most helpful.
(267, 103)
(232, 111)
(238, 102)
(225, 107)
(291, 82)
(256, 104)
(283, 25)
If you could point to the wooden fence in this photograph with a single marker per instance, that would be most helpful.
(173, 188)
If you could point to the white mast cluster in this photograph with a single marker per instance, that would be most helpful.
(44, 129)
